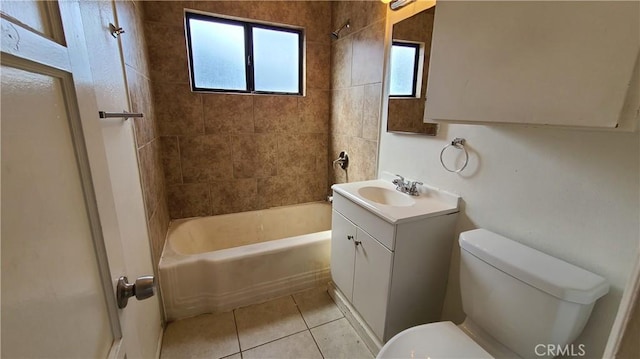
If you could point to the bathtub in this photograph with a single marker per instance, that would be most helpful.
(218, 263)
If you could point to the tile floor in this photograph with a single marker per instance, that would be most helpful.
(303, 325)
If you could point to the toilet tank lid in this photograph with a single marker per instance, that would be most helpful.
(552, 275)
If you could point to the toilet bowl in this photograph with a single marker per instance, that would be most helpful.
(506, 285)
(445, 340)
(435, 340)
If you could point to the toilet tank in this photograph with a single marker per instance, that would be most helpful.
(525, 299)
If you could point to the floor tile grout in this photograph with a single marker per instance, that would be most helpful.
(275, 340)
(331, 321)
(235, 323)
(317, 345)
(271, 341)
(308, 328)
(311, 302)
(300, 311)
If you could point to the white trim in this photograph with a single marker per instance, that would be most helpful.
(30, 46)
(353, 317)
(159, 346)
(89, 149)
(117, 349)
(630, 296)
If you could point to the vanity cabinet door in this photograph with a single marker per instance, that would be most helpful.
(343, 234)
(372, 279)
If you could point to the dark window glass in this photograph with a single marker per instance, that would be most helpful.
(238, 56)
(404, 69)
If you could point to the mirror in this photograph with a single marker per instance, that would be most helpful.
(408, 71)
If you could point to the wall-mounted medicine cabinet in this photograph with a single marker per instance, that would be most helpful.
(560, 63)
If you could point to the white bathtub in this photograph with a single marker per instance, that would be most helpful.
(214, 264)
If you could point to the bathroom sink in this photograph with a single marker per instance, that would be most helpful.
(381, 198)
(386, 196)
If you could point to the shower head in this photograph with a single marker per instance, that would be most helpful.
(336, 34)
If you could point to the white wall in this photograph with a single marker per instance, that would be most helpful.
(571, 193)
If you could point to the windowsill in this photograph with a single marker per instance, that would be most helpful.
(247, 93)
(404, 98)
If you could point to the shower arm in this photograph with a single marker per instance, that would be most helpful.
(346, 25)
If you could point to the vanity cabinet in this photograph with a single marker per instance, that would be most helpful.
(343, 253)
(561, 63)
(393, 274)
(361, 268)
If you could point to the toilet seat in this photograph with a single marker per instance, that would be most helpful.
(435, 340)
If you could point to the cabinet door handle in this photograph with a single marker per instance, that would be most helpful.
(357, 242)
(349, 238)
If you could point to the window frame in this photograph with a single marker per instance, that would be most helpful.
(248, 48)
(416, 65)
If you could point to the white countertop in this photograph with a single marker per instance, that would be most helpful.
(430, 203)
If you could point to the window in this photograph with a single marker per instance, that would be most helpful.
(404, 69)
(237, 56)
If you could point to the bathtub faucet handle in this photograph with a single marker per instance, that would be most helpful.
(342, 160)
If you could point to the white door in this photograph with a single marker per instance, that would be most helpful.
(62, 244)
(108, 72)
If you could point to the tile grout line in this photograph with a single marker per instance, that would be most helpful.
(299, 311)
(317, 345)
(275, 340)
(235, 322)
(286, 336)
(335, 320)
(308, 328)
(331, 321)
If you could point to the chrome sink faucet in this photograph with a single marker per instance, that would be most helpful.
(408, 187)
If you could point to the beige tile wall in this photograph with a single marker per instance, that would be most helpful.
(130, 17)
(226, 153)
(356, 88)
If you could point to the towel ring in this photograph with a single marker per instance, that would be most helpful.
(459, 144)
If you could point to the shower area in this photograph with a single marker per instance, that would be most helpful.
(236, 157)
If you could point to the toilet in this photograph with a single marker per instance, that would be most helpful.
(519, 302)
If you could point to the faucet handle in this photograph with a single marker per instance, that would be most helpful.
(400, 180)
(414, 187)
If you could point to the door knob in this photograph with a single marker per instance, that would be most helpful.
(143, 288)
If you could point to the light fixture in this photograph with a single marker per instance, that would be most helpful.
(397, 4)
